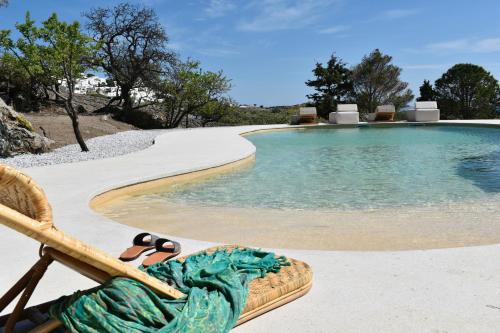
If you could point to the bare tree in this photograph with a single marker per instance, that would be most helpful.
(132, 46)
(4, 3)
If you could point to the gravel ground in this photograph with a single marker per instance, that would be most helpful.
(100, 147)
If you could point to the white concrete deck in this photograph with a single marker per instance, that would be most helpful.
(450, 290)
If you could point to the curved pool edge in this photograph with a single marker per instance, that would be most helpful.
(412, 291)
(149, 186)
(108, 195)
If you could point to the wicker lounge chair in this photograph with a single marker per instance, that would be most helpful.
(307, 115)
(383, 113)
(24, 208)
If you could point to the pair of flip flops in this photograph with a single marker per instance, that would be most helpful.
(143, 242)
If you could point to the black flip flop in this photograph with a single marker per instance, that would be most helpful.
(142, 242)
(165, 249)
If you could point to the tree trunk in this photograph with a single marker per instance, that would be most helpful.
(76, 127)
(58, 90)
(127, 101)
(78, 134)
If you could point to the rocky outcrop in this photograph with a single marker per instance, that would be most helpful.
(145, 118)
(17, 135)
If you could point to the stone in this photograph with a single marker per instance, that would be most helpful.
(145, 118)
(17, 135)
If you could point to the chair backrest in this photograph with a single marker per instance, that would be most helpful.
(307, 111)
(386, 108)
(347, 107)
(24, 208)
(426, 105)
(21, 193)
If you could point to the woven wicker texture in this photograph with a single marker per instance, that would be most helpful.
(274, 285)
(19, 192)
(24, 208)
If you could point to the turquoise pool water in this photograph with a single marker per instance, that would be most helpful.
(366, 167)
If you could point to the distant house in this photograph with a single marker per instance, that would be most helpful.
(94, 84)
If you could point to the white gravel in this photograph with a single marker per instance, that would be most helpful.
(100, 147)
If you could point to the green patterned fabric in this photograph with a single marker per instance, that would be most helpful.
(216, 288)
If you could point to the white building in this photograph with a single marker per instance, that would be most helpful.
(96, 84)
(89, 84)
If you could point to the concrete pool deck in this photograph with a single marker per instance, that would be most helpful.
(446, 290)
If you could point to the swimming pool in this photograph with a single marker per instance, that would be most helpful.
(358, 168)
(382, 187)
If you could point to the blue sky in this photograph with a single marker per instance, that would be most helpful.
(269, 47)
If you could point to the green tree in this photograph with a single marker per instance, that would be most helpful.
(215, 110)
(187, 89)
(467, 91)
(377, 81)
(19, 88)
(426, 92)
(132, 49)
(54, 53)
(332, 85)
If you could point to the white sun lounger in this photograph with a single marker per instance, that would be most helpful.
(345, 114)
(424, 112)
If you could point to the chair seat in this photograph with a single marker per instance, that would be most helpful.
(275, 289)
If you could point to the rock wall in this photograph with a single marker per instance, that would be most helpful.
(17, 136)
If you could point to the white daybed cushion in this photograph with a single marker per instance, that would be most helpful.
(426, 105)
(347, 108)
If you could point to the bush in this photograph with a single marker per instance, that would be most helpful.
(259, 116)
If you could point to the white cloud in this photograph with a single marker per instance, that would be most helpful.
(219, 8)
(486, 45)
(335, 29)
(209, 42)
(273, 15)
(393, 14)
(457, 44)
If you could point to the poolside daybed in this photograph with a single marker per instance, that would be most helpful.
(423, 112)
(345, 114)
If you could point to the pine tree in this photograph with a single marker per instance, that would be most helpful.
(377, 81)
(332, 85)
(426, 92)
